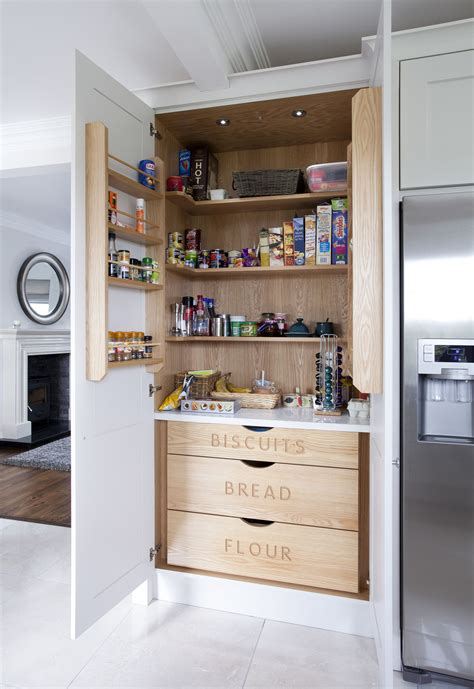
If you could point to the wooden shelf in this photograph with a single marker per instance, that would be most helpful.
(135, 362)
(253, 204)
(132, 284)
(257, 271)
(134, 236)
(130, 186)
(245, 340)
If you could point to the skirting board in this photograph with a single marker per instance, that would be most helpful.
(335, 613)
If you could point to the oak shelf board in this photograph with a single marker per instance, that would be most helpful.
(135, 362)
(132, 284)
(133, 188)
(245, 340)
(257, 271)
(134, 236)
(251, 204)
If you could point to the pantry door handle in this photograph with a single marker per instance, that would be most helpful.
(259, 429)
(256, 464)
(256, 522)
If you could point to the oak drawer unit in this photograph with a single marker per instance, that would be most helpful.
(288, 445)
(310, 495)
(304, 555)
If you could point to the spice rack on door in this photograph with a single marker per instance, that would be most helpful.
(99, 178)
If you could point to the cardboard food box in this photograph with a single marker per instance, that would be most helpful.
(184, 158)
(288, 243)
(275, 240)
(212, 406)
(264, 247)
(298, 229)
(203, 174)
(323, 234)
(310, 240)
(339, 231)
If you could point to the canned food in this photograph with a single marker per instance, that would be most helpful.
(248, 329)
(218, 258)
(146, 177)
(175, 257)
(204, 258)
(193, 239)
(191, 258)
(233, 257)
(175, 240)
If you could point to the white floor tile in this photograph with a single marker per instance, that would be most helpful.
(60, 571)
(28, 549)
(294, 657)
(174, 646)
(36, 649)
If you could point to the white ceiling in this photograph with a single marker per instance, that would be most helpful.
(127, 39)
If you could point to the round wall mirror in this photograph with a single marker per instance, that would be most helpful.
(43, 288)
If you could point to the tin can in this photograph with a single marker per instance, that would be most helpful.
(175, 240)
(233, 257)
(193, 239)
(248, 329)
(204, 258)
(191, 258)
(218, 258)
(146, 177)
(175, 257)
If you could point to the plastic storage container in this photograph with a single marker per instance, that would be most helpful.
(327, 177)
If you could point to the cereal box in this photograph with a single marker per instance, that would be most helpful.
(310, 240)
(289, 243)
(275, 241)
(323, 234)
(298, 229)
(339, 231)
(264, 247)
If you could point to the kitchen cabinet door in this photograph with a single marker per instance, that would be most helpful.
(112, 416)
(436, 121)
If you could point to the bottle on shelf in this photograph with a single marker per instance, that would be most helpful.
(201, 318)
(113, 256)
(140, 215)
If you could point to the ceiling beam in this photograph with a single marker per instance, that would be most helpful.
(188, 30)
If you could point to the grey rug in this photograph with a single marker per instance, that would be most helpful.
(55, 455)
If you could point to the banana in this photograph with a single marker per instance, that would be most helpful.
(235, 388)
(221, 384)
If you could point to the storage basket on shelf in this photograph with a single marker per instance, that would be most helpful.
(202, 385)
(268, 182)
(250, 400)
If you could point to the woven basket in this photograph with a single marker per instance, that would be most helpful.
(268, 182)
(201, 387)
(249, 400)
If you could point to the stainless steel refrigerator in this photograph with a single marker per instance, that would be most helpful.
(437, 462)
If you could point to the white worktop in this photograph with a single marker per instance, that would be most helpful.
(281, 417)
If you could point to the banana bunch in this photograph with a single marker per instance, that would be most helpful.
(224, 385)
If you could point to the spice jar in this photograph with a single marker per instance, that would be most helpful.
(155, 273)
(267, 326)
(135, 269)
(141, 345)
(280, 319)
(127, 347)
(147, 268)
(148, 353)
(123, 256)
(119, 344)
(111, 354)
(134, 344)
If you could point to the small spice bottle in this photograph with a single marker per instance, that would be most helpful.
(111, 354)
(124, 264)
(127, 347)
(147, 265)
(119, 345)
(135, 269)
(148, 353)
(155, 273)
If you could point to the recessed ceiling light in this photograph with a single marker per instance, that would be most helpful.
(223, 122)
(299, 113)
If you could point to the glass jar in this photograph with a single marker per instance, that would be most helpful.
(111, 353)
(280, 319)
(119, 345)
(148, 351)
(127, 347)
(134, 344)
(123, 257)
(155, 273)
(141, 345)
(147, 269)
(268, 326)
(135, 269)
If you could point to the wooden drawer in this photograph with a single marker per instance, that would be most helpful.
(316, 496)
(319, 448)
(305, 555)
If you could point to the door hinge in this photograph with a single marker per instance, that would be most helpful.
(154, 132)
(396, 462)
(152, 389)
(154, 551)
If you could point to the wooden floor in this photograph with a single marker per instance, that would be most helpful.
(35, 495)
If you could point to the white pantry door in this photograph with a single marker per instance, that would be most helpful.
(112, 420)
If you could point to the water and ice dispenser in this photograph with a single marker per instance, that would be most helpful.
(446, 391)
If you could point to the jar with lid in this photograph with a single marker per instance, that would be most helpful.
(155, 273)
(267, 326)
(141, 345)
(119, 345)
(111, 353)
(147, 265)
(123, 264)
(134, 344)
(135, 269)
(148, 353)
(280, 319)
(127, 347)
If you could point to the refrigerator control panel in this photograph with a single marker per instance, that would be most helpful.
(436, 355)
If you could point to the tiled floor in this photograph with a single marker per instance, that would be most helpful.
(165, 645)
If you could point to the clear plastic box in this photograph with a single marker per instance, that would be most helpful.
(327, 177)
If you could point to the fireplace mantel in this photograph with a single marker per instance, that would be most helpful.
(16, 345)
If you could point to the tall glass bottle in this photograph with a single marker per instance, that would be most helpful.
(201, 319)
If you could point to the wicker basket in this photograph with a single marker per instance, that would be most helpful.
(249, 400)
(201, 387)
(268, 182)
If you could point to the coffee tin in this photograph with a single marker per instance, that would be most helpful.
(146, 177)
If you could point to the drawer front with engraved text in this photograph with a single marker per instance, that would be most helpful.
(289, 445)
(315, 496)
(305, 555)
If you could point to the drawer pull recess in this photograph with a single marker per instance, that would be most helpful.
(259, 429)
(256, 522)
(256, 464)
